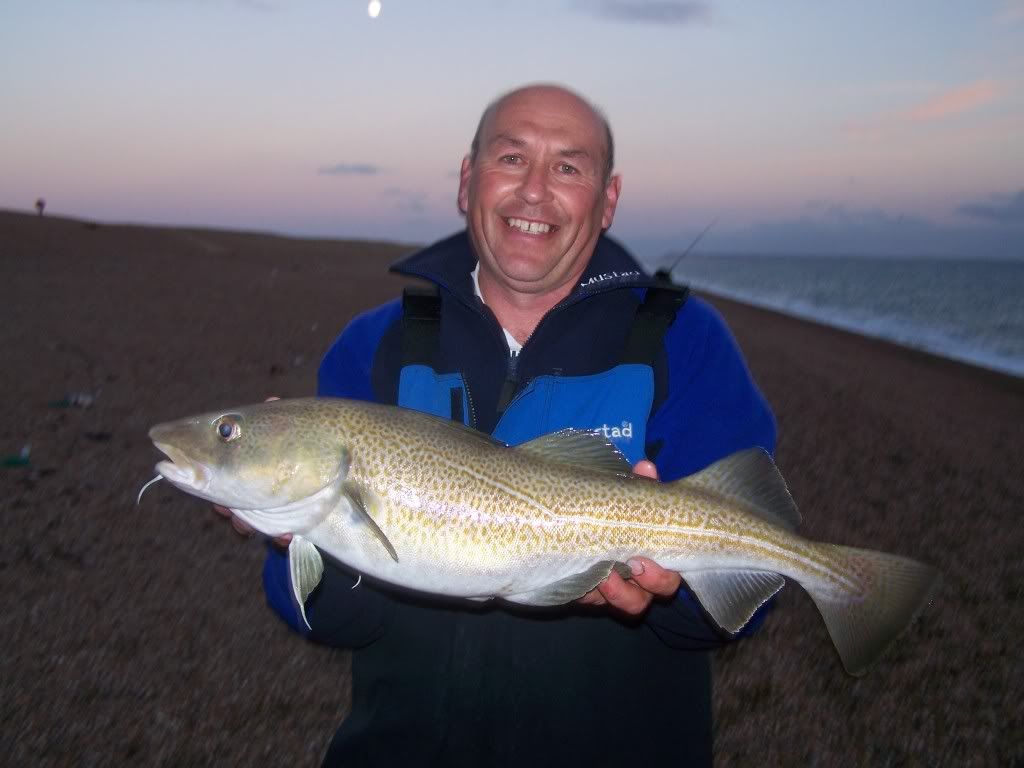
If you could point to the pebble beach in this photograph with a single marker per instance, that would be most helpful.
(139, 634)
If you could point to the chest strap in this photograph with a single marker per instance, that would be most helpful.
(653, 317)
(421, 324)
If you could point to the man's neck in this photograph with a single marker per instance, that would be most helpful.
(519, 313)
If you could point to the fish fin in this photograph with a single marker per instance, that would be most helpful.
(362, 501)
(305, 569)
(571, 587)
(622, 569)
(750, 479)
(731, 597)
(864, 624)
(581, 448)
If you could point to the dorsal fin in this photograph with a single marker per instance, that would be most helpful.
(750, 479)
(581, 448)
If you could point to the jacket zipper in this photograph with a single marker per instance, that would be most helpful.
(510, 385)
(469, 401)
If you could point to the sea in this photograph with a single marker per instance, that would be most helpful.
(970, 310)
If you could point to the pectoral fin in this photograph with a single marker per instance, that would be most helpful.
(305, 568)
(731, 597)
(572, 587)
(362, 502)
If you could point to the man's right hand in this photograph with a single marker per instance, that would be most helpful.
(244, 529)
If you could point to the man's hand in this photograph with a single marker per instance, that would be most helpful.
(649, 580)
(242, 527)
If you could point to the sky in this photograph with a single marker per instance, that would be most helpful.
(797, 127)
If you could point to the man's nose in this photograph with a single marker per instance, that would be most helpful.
(534, 187)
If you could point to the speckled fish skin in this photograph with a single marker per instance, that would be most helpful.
(466, 516)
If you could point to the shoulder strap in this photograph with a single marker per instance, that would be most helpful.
(653, 317)
(421, 324)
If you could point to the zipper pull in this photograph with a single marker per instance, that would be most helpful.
(508, 388)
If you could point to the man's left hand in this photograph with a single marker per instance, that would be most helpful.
(649, 580)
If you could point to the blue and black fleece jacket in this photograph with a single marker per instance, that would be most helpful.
(440, 682)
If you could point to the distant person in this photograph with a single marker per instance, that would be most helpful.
(40, 206)
(536, 321)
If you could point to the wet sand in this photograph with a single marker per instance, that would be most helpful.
(140, 634)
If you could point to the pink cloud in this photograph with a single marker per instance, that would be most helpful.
(1012, 12)
(953, 102)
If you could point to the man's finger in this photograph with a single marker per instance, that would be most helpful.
(653, 578)
(242, 527)
(646, 468)
(624, 595)
(593, 597)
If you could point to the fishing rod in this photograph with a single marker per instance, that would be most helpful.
(666, 274)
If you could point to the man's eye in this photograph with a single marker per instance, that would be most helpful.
(510, 159)
(567, 169)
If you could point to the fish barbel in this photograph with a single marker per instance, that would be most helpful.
(431, 505)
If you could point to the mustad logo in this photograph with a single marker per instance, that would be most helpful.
(609, 276)
(625, 431)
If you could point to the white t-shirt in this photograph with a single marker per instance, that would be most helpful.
(514, 346)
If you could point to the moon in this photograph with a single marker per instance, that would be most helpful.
(373, 9)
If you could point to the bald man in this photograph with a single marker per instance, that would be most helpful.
(534, 321)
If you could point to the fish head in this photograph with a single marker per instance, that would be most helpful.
(257, 457)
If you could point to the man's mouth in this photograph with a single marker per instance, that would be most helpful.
(530, 227)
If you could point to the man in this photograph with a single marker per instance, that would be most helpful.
(538, 322)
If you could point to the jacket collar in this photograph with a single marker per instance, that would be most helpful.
(449, 263)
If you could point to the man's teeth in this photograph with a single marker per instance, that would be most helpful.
(533, 227)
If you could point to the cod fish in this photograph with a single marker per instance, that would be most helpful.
(434, 506)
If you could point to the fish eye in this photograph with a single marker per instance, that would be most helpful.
(228, 428)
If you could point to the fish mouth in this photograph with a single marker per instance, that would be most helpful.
(181, 470)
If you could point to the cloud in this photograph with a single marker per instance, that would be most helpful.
(947, 104)
(1003, 209)
(648, 11)
(1011, 12)
(350, 169)
(408, 200)
(953, 102)
(252, 5)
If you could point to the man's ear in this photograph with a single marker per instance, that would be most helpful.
(611, 199)
(464, 173)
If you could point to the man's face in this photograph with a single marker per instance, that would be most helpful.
(535, 196)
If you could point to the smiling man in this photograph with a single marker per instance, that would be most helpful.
(535, 321)
(537, 191)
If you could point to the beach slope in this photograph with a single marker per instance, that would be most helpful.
(141, 634)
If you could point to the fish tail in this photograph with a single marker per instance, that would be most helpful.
(887, 594)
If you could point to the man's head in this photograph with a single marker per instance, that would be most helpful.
(537, 188)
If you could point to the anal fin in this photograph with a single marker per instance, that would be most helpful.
(731, 597)
(571, 587)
